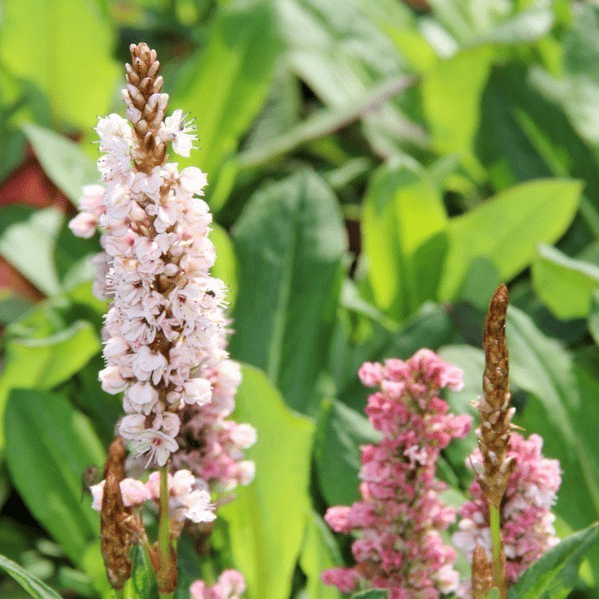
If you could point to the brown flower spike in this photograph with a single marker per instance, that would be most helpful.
(119, 527)
(482, 574)
(495, 414)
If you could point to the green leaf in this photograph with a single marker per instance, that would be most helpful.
(451, 98)
(227, 84)
(319, 552)
(35, 587)
(555, 574)
(27, 241)
(339, 433)
(565, 285)
(581, 85)
(75, 69)
(594, 317)
(507, 228)
(62, 160)
(523, 135)
(563, 398)
(290, 241)
(225, 267)
(45, 362)
(402, 211)
(49, 445)
(267, 520)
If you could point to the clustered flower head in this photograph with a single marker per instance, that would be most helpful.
(526, 517)
(165, 333)
(400, 517)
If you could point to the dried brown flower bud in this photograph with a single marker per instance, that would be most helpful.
(482, 574)
(495, 413)
(119, 526)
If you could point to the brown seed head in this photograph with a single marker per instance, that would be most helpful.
(495, 413)
(119, 526)
(482, 574)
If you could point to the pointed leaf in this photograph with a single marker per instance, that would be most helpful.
(555, 574)
(228, 83)
(35, 587)
(402, 211)
(289, 241)
(27, 241)
(565, 285)
(62, 160)
(49, 445)
(340, 433)
(267, 520)
(507, 228)
(319, 552)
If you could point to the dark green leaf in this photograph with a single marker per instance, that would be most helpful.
(35, 587)
(339, 433)
(49, 445)
(554, 575)
(289, 241)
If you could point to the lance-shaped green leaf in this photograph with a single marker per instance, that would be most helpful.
(319, 552)
(339, 434)
(27, 241)
(62, 160)
(267, 520)
(34, 586)
(403, 211)
(289, 241)
(563, 398)
(47, 361)
(49, 445)
(63, 47)
(506, 229)
(564, 284)
(227, 84)
(555, 574)
(451, 98)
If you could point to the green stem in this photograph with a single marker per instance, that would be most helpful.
(498, 561)
(164, 537)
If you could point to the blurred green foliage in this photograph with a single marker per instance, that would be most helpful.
(375, 170)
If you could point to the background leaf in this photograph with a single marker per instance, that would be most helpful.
(49, 445)
(70, 32)
(63, 161)
(289, 241)
(45, 362)
(267, 521)
(507, 228)
(35, 587)
(556, 572)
